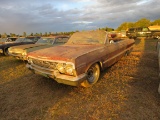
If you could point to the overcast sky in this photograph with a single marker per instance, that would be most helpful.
(18, 16)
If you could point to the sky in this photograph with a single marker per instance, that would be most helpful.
(35, 16)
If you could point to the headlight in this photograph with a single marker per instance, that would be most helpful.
(64, 68)
(61, 67)
(24, 53)
(29, 60)
(69, 69)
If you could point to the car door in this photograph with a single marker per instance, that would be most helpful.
(113, 52)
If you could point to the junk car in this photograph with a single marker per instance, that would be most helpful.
(79, 62)
(21, 51)
(20, 41)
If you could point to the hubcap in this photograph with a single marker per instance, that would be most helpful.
(92, 73)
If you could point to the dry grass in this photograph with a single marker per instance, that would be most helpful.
(125, 91)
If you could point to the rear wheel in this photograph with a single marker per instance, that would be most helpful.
(128, 52)
(93, 74)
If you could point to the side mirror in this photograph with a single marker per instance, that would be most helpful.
(111, 41)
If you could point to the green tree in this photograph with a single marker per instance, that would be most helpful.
(36, 34)
(143, 23)
(106, 29)
(125, 26)
(45, 34)
(5, 35)
(49, 34)
(12, 35)
(24, 34)
(31, 34)
(40, 34)
(156, 22)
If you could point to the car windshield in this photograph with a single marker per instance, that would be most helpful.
(88, 37)
(31, 38)
(24, 40)
(45, 41)
(61, 40)
(19, 40)
(145, 29)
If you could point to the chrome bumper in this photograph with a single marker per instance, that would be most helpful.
(18, 56)
(60, 78)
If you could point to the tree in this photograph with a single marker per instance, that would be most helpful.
(143, 23)
(156, 22)
(108, 29)
(24, 34)
(40, 34)
(5, 35)
(36, 34)
(31, 34)
(46, 34)
(11, 35)
(125, 26)
(49, 34)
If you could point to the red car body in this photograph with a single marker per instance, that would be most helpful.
(84, 55)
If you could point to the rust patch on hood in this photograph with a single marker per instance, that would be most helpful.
(64, 52)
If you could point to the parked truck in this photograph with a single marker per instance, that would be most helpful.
(151, 31)
(155, 30)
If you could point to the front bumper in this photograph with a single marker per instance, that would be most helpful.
(60, 78)
(18, 56)
(1, 51)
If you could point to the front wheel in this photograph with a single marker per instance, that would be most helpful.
(128, 52)
(5, 52)
(93, 74)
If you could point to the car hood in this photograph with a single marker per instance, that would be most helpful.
(64, 52)
(27, 46)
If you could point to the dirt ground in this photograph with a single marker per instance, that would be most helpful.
(125, 91)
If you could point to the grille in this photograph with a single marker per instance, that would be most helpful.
(46, 64)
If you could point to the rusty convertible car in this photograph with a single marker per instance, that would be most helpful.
(21, 51)
(80, 60)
